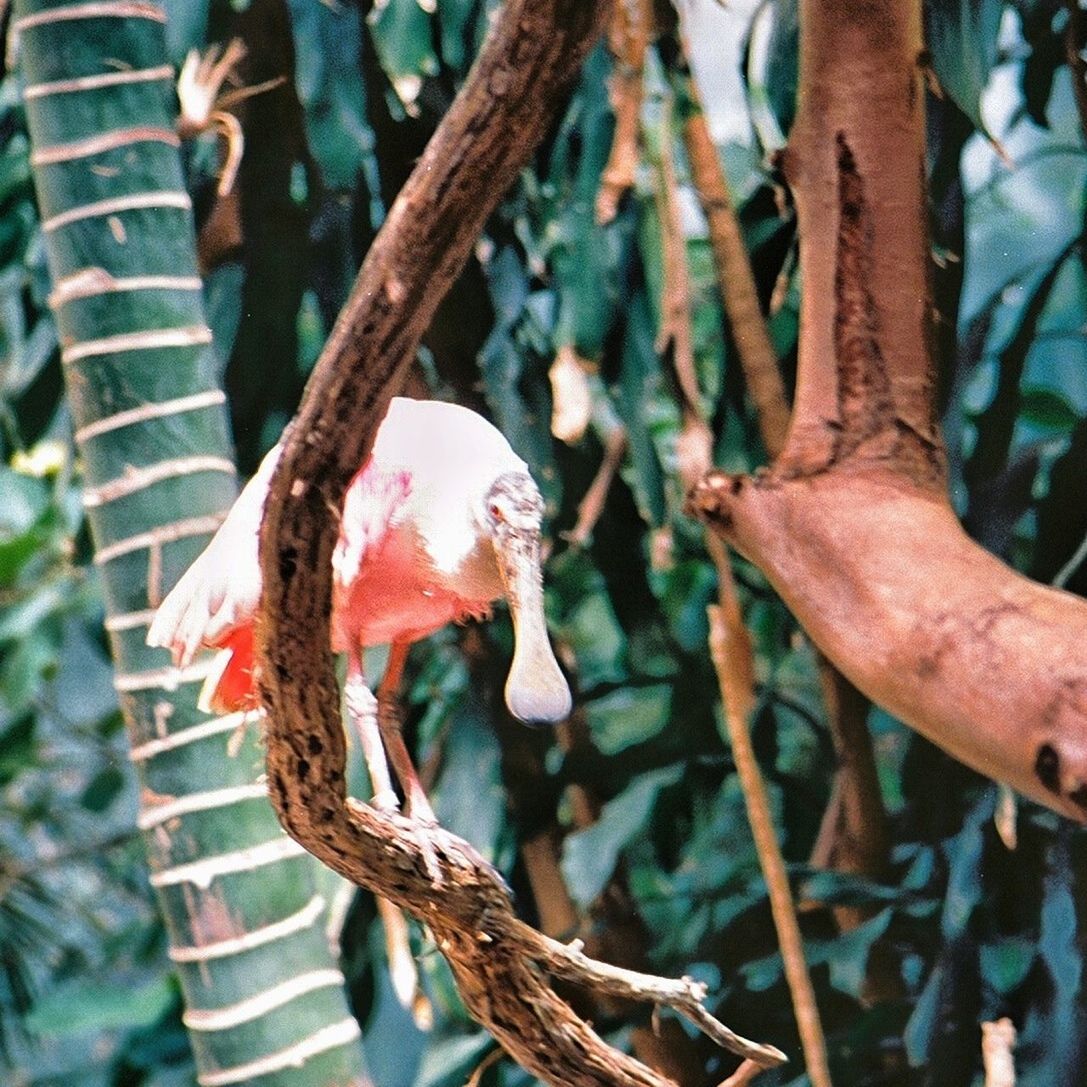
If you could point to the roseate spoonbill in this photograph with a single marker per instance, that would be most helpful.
(441, 520)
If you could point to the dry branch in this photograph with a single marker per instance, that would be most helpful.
(628, 37)
(730, 643)
(853, 835)
(501, 965)
(997, 1047)
(694, 452)
(734, 661)
(736, 282)
(852, 524)
(743, 1075)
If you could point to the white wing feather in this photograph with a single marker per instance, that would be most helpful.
(221, 590)
(441, 446)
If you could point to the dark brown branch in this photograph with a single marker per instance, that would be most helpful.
(852, 524)
(502, 966)
(853, 836)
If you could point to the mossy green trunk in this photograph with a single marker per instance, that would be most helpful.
(264, 999)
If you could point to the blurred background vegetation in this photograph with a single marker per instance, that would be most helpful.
(627, 825)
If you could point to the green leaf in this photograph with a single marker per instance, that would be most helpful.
(962, 40)
(589, 856)
(449, 1061)
(770, 71)
(328, 40)
(402, 34)
(468, 798)
(1048, 409)
(87, 1005)
(18, 749)
(103, 789)
(23, 501)
(586, 619)
(628, 716)
(1005, 965)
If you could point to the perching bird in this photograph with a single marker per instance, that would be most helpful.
(441, 520)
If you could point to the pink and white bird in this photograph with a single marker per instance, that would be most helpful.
(441, 520)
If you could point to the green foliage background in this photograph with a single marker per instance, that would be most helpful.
(668, 873)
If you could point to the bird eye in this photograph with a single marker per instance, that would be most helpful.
(496, 511)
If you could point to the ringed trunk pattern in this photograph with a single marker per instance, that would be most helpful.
(264, 999)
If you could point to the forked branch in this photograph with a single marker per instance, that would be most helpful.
(852, 523)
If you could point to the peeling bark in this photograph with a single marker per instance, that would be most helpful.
(852, 523)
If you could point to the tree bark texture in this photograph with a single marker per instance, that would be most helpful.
(502, 967)
(264, 999)
(852, 523)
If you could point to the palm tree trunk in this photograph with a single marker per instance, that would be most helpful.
(264, 998)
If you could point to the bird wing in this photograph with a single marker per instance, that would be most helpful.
(220, 592)
(374, 499)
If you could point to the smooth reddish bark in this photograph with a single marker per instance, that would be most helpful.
(852, 523)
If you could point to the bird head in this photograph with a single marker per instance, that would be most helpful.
(536, 690)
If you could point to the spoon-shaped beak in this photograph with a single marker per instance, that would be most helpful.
(536, 690)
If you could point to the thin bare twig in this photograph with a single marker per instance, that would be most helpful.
(628, 38)
(736, 283)
(743, 1075)
(730, 648)
(695, 446)
(591, 505)
(684, 996)
(853, 836)
(730, 644)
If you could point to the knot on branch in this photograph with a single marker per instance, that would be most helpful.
(713, 498)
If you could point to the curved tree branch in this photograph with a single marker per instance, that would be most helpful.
(502, 966)
(852, 524)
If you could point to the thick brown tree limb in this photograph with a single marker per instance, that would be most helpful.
(852, 523)
(501, 965)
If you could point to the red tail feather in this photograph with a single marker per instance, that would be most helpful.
(232, 686)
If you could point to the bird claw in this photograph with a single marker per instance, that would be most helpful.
(360, 701)
(385, 801)
(427, 833)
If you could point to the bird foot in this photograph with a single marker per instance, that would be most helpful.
(360, 700)
(385, 801)
(427, 834)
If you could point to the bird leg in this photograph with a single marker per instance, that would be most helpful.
(362, 709)
(388, 720)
